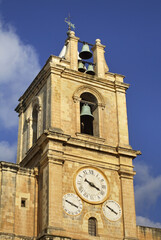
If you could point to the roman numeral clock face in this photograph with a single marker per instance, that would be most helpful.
(91, 185)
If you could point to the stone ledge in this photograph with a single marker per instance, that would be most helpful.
(149, 232)
(87, 137)
(16, 168)
(10, 236)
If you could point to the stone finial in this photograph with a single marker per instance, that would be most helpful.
(71, 34)
(98, 41)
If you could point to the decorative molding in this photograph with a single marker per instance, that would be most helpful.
(92, 90)
(127, 151)
(102, 105)
(130, 238)
(11, 236)
(16, 168)
(76, 99)
(87, 137)
(124, 173)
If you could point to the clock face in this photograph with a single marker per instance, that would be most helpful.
(91, 185)
(72, 204)
(111, 210)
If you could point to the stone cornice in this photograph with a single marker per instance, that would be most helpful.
(130, 238)
(16, 168)
(91, 80)
(94, 143)
(122, 151)
(121, 87)
(33, 151)
(47, 157)
(61, 68)
(150, 228)
(14, 236)
(80, 141)
(124, 173)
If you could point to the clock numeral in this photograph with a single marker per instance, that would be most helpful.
(103, 186)
(102, 192)
(79, 182)
(102, 180)
(85, 172)
(85, 195)
(91, 172)
(80, 189)
(91, 197)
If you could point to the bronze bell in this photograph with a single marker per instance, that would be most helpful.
(86, 111)
(81, 67)
(90, 70)
(85, 52)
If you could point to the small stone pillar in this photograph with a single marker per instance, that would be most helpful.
(99, 59)
(72, 50)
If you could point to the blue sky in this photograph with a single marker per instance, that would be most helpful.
(32, 30)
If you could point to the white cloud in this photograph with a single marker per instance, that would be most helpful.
(147, 188)
(147, 194)
(142, 221)
(8, 151)
(19, 65)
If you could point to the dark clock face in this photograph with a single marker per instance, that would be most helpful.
(91, 185)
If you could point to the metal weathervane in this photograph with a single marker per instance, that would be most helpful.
(67, 20)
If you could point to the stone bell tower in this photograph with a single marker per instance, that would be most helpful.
(73, 135)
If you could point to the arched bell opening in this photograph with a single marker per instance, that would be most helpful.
(89, 114)
(35, 122)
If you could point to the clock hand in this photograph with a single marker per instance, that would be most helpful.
(91, 184)
(96, 187)
(111, 209)
(71, 203)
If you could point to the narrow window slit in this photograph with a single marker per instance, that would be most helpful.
(92, 226)
(23, 202)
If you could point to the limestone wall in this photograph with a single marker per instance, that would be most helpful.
(148, 233)
(18, 197)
